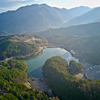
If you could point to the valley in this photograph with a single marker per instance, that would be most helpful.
(82, 39)
(50, 53)
(35, 64)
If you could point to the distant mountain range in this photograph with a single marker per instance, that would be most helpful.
(37, 18)
(79, 30)
(88, 17)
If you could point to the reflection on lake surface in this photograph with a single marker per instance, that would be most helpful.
(35, 64)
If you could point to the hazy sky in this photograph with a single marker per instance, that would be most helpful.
(6, 5)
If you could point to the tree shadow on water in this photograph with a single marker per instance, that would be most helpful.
(37, 73)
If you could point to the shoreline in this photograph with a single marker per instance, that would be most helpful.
(32, 55)
(40, 84)
(85, 64)
(25, 57)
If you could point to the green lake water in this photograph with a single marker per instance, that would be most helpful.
(35, 64)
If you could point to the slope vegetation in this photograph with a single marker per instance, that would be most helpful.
(66, 86)
(80, 30)
(20, 45)
(12, 79)
(86, 47)
(83, 39)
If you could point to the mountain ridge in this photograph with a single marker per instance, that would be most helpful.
(88, 17)
(33, 18)
(80, 30)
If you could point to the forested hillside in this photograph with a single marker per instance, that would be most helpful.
(83, 39)
(80, 30)
(20, 45)
(12, 79)
(65, 85)
(75, 67)
(86, 48)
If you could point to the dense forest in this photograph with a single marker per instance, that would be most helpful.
(20, 45)
(86, 47)
(83, 39)
(9, 49)
(67, 86)
(74, 67)
(12, 77)
(78, 30)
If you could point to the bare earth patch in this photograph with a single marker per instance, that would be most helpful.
(79, 76)
(27, 84)
(35, 84)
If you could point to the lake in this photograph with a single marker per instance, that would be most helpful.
(35, 64)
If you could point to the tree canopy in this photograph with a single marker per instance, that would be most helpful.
(9, 49)
(12, 77)
(67, 86)
(74, 67)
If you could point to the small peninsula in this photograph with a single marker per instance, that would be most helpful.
(67, 86)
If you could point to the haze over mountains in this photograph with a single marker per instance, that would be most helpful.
(89, 17)
(84, 40)
(37, 18)
(79, 30)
